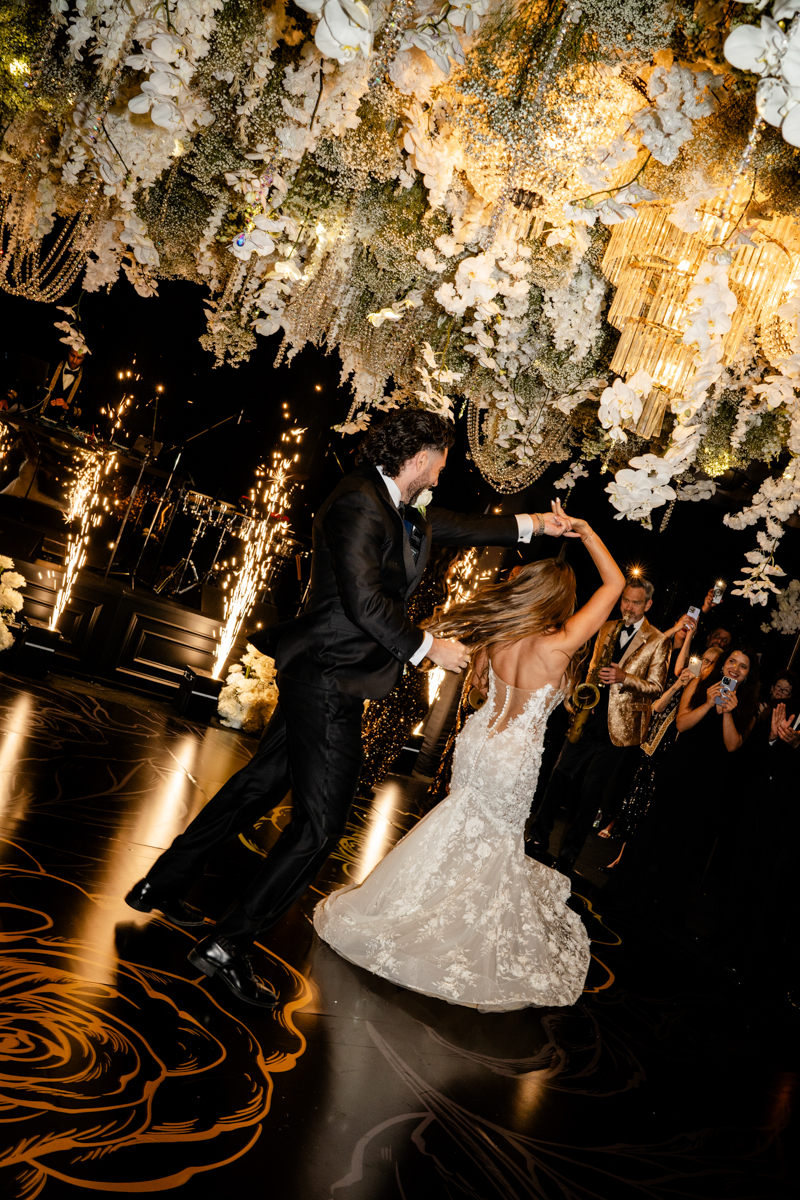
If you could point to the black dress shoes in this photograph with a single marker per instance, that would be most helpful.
(143, 899)
(218, 956)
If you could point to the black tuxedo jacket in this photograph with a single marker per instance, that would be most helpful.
(354, 634)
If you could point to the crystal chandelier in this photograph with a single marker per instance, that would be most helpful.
(652, 264)
(495, 463)
(30, 267)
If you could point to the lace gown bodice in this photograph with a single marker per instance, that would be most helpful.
(499, 751)
(457, 910)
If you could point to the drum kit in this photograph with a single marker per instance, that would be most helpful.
(207, 514)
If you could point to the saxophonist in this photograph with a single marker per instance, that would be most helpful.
(592, 766)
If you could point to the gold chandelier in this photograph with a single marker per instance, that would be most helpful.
(652, 263)
(550, 427)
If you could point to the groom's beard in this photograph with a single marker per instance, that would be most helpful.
(416, 488)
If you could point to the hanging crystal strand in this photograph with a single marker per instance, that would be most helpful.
(23, 272)
(666, 517)
(741, 170)
(389, 41)
(570, 16)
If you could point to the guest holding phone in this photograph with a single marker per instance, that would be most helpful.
(660, 736)
(691, 795)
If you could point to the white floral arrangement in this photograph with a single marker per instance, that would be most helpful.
(785, 617)
(248, 699)
(10, 600)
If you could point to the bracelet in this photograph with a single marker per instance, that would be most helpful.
(540, 531)
(587, 539)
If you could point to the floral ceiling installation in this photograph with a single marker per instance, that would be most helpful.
(574, 224)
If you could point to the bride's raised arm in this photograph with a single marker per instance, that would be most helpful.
(585, 623)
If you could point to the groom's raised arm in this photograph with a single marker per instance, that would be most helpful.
(466, 529)
(355, 533)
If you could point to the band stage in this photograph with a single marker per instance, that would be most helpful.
(128, 635)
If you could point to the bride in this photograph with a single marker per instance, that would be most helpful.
(456, 910)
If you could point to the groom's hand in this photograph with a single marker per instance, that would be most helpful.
(447, 653)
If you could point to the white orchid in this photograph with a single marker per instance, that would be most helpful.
(641, 487)
(468, 13)
(622, 404)
(573, 473)
(384, 314)
(344, 30)
(135, 235)
(785, 617)
(685, 214)
(773, 54)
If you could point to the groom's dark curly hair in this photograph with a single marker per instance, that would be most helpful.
(402, 435)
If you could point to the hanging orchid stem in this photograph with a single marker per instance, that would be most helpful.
(447, 340)
(113, 147)
(300, 234)
(319, 97)
(744, 210)
(167, 14)
(614, 191)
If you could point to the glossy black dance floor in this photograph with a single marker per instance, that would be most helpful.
(121, 1070)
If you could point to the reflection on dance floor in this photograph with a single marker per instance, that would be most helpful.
(123, 1070)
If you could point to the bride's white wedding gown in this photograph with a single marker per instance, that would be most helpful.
(456, 909)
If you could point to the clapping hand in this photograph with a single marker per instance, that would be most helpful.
(776, 720)
(782, 727)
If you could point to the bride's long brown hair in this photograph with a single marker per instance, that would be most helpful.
(539, 599)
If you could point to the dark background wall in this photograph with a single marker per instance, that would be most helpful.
(157, 338)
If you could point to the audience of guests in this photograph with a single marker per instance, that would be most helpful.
(680, 634)
(693, 789)
(660, 736)
(596, 767)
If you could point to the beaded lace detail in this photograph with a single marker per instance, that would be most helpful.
(457, 910)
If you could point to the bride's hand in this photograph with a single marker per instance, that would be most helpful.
(575, 526)
(558, 523)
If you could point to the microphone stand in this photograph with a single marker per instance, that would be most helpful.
(149, 456)
(180, 447)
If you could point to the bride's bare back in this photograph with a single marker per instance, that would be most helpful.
(532, 662)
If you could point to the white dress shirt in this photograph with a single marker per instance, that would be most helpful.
(624, 637)
(524, 524)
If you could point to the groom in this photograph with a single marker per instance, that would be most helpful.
(350, 643)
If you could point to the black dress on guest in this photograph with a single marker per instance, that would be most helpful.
(676, 833)
(637, 802)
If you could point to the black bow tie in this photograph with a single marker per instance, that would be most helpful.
(627, 630)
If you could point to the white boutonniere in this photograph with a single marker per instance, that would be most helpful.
(422, 501)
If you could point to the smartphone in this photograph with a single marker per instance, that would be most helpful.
(695, 666)
(694, 613)
(726, 686)
(719, 591)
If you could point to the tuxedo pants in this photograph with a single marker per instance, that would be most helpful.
(313, 745)
(586, 773)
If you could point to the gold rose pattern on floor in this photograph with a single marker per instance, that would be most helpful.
(124, 1070)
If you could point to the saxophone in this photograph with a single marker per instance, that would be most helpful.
(586, 695)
